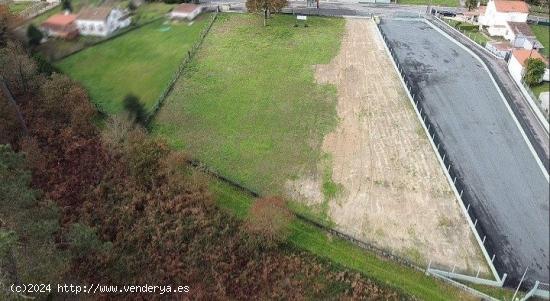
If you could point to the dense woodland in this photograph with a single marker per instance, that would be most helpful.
(90, 199)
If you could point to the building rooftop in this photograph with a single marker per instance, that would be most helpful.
(507, 6)
(94, 13)
(60, 19)
(185, 8)
(521, 28)
(523, 54)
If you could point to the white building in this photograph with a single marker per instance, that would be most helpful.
(186, 11)
(499, 12)
(101, 21)
(516, 64)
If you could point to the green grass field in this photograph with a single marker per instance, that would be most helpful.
(249, 105)
(343, 253)
(542, 33)
(17, 7)
(141, 62)
(542, 87)
(445, 3)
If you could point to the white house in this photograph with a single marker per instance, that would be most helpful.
(521, 36)
(499, 12)
(101, 21)
(186, 11)
(516, 64)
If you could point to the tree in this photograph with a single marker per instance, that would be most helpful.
(265, 6)
(135, 109)
(84, 240)
(268, 222)
(534, 70)
(34, 35)
(15, 180)
(17, 68)
(66, 5)
(471, 4)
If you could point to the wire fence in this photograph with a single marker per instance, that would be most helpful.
(450, 168)
(182, 66)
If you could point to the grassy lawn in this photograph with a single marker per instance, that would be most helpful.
(472, 31)
(542, 87)
(343, 253)
(17, 7)
(150, 11)
(141, 62)
(445, 3)
(543, 35)
(249, 105)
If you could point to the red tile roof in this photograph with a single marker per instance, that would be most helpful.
(60, 20)
(523, 54)
(185, 8)
(507, 6)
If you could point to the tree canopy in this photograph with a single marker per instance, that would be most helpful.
(534, 70)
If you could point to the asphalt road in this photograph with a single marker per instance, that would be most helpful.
(502, 179)
(534, 129)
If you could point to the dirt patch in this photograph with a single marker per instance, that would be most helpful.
(395, 194)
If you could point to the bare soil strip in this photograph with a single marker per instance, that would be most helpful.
(394, 193)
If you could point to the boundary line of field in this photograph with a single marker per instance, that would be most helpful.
(177, 74)
(116, 35)
(442, 164)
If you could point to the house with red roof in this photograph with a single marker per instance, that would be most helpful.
(508, 19)
(60, 25)
(518, 60)
(186, 11)
(499, 12)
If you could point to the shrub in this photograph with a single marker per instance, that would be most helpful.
(34, 35)
(534, 70)
(268, 222)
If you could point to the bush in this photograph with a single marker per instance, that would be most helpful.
(66, 5)
(534, 70)
(34, 35)
(135, 109)
(268, 222)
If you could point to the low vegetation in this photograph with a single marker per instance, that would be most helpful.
(304, 236)
(542, 32)
(119, 207)
(141, 63)
(470, 30)
(248, 80)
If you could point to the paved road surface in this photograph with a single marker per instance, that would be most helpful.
(533, 128)
(504, 183)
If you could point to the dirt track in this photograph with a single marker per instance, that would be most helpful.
(394, 194)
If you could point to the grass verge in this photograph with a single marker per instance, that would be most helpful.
(470, 30)
(343, 253)
(542, 32)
